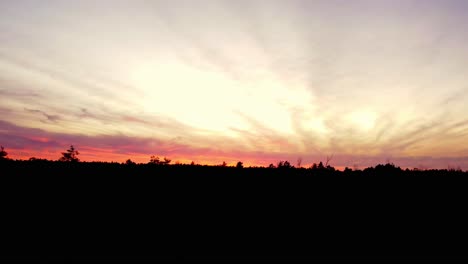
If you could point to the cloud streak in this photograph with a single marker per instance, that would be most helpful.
(25, 142)
(50, 118)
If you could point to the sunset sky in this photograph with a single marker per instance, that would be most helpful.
(257, 81)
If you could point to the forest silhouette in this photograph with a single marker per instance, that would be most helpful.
(73, 210)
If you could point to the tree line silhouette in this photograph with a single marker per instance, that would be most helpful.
(162, 210)
(158, 166)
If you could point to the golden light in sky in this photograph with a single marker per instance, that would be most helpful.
(217, 100)
(363, 119)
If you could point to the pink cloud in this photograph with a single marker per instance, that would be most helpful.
(23, 143)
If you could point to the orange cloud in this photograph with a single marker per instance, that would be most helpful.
(24, 143)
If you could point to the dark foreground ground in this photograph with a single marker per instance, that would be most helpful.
(94, 211)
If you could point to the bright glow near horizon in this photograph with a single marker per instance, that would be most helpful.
(257, 81)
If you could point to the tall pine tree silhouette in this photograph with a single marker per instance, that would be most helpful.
(70, 155)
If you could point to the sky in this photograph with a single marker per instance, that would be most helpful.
(257, 81)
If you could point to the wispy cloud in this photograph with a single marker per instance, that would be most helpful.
(50, 118)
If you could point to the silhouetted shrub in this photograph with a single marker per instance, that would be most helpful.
(284, 165)
(3, 153)
(156, 161)
(130, 162)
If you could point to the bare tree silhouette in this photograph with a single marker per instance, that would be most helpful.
(299, 162)
(329, 158)
(70, 155)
